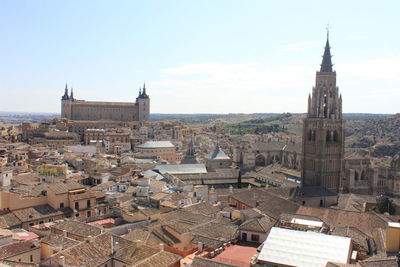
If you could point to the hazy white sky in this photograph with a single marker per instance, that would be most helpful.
(205, 56)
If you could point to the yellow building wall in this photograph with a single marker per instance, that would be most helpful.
(55, 200)
(26, 257)
(13, 201)
(392, 239)
(46, 251)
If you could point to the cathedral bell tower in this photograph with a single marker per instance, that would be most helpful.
(323, 131)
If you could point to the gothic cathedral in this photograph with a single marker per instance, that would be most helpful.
(323, 131)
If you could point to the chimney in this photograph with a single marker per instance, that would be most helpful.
(65, 233)
(161, 246)
(200, 246)
(112, 246)
(89, 239)
(62, 258)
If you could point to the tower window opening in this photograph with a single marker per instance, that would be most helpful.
(328, 136)
(335, 136)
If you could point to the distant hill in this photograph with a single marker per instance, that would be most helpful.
(378, 134)
(19, 117)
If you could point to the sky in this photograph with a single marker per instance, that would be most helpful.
(208, 56)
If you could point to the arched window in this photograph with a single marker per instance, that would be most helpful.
(311, 135)
(335, 136)
(356, 175)
(328, 136)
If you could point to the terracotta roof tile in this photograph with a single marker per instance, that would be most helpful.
(17, 248)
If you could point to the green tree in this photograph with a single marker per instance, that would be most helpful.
(384, 204)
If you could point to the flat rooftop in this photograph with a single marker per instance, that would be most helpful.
(304, 248)
(239, 254)
(156, 144)
(181, 168)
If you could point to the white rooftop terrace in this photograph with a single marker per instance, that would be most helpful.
(304, 249)
(156, 144)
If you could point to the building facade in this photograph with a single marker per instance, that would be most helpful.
(74, 109)
(161, 149)
(323, 131)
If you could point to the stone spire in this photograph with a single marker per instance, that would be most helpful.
(144, 89)
(190, 157)
(65, 96)
(72, 94)
(140, 91)
(143, 94)
(326, 65)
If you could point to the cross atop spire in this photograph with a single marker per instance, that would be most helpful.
(326, 65)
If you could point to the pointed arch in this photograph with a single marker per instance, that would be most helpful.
(335, 136)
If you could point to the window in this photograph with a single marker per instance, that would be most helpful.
(328, 136)
(89, 213)
(311, 135)
(41, 222)
(62, 205)
(77, 215)
(31, 224)
(335, 136)
(31, 258)
(363, 176)
(303, 203)
(88, 203)
(244, 236)
(255, 238)
(321, 203)
(77, 205)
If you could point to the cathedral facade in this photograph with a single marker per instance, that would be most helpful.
(74, 109)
